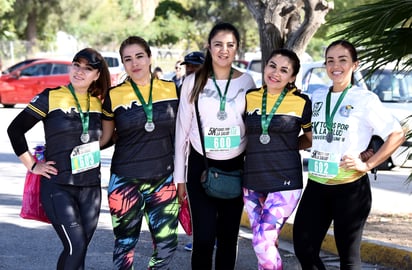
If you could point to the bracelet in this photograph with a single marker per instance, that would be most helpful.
(34, 166)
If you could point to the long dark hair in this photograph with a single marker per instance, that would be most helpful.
(204, 72)
(294, 59)
(352, 51)
(99, 87)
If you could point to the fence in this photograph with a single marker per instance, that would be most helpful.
(12, 52)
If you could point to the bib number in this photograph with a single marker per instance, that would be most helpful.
(85, 157)
(221, 139)
(323, 165)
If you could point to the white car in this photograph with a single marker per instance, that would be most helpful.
(312, 76)
(116, 69)
(394, 89)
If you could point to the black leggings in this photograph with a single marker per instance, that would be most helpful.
(348, 205)
(73, 212)
(213, 219)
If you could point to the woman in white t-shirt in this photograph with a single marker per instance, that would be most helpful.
(220, 91)
(343, 122)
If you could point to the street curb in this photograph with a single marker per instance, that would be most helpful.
(374, 252)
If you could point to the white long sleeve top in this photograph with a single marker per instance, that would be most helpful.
(187, 132)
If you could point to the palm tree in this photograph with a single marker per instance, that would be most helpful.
(383, 29)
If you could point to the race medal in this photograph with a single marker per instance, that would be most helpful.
(149, 126)
(264, 138)
(85, 137)
(147, 107)
(85, 157)
(265, 119)
(329, 137)
(329, 116)
(221, 115)
(84, 116)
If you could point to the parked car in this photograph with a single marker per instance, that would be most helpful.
(394, 89)
(254, 65)
(241, 63)
(313, 76)
(253, 68)
(18, 65)
(22, 84)
(116, 69)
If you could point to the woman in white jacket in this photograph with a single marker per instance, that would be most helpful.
(220, 91)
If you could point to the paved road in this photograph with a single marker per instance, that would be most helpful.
(26, 244)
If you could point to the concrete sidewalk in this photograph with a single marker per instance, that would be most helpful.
(389, 197)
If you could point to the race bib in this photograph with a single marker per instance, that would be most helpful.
(323, 164)
(221, 138)
(85, 157)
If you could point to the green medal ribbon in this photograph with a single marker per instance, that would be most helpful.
(222, 114)
(265, 119)
(329, 117)
(147, 107)
(83, 116)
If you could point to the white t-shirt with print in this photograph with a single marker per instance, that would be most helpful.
(360, 115)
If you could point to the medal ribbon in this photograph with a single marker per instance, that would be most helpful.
(147, 107)
(265, 119)
(83, 116)
(329, 117)
(222, 98)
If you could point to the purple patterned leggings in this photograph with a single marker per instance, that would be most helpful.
(267, 214)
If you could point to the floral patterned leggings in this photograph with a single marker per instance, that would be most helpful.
(267, 214)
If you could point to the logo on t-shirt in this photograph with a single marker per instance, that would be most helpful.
(316, 108)
(344, 111)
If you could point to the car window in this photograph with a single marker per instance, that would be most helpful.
(37, 70)
(256, 65)
(318, 76)
(404, 80)
(390, 86)
(315, 78)
(60, 69)
(240, 64)
(111, 61)
(18, 65)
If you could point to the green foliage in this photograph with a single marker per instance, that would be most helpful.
(171, 24)
(382, 30)
(323, 35)
(6, 6)
(186, 23)
(166, 6)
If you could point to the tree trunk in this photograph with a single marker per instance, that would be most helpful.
(31, 31)
(281, 26)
